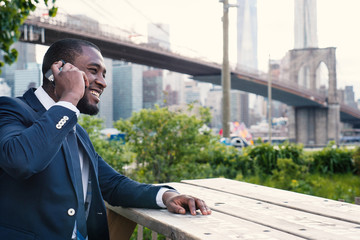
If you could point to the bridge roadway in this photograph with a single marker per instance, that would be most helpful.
(115, 44)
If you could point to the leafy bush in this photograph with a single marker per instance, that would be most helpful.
(332, 160)
(356, 158)
(287, 173)
(292, 151)
(264, 157)
(225, 161)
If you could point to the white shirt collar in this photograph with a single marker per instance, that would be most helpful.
(48, 102)
(44, 98)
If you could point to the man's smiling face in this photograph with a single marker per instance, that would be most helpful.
(92, 63)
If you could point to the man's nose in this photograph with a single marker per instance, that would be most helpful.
(101, 81)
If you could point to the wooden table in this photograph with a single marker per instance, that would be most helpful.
(248, 211)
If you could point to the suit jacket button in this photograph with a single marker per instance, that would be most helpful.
(71, 212)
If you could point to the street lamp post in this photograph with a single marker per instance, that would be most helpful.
(225, 73)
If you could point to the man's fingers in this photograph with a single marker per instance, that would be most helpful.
(176, 208)
(181, 210)
(181, 203)
(192, 207)
(205, 210)
(55, 67)
(86, 81)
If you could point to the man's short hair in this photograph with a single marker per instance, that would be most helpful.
(66, 49)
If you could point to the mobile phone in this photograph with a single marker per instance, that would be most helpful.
(49, 74)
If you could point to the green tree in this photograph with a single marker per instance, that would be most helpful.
(13, 13)
(113, 152)
(166, 143)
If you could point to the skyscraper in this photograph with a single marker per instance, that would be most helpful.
(305, 29)
(247, 34)
(152, 88)
(127, 89)
(305, 24)
(349, 96)
(26, 60)
(212, 101)
(192, 92)
(175, 82)
(27, 78)
(246, 47)
(106, 103)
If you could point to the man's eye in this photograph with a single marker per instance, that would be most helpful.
(93, 70)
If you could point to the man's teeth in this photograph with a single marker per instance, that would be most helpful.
(95, 93)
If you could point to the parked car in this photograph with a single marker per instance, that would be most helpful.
(235, 141)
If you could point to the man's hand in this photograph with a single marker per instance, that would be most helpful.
(179, 203)
(70, 83)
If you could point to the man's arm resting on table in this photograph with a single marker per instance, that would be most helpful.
(179, 203)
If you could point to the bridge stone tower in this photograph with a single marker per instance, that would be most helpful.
(314, 126)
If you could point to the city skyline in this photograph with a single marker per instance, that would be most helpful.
(355, 88)
(196, 27)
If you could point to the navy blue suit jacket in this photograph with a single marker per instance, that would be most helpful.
(36, 179)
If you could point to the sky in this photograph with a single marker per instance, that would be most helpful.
(196, 27)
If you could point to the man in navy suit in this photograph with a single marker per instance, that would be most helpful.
(39, 184)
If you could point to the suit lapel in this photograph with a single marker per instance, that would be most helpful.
(86, 148)
(69, 164)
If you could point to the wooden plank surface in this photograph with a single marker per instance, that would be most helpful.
(296, 222)
(321, 206)
(213, 227)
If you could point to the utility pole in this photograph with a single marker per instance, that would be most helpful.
(225, 73)
(269, 102)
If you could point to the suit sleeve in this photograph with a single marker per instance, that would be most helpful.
(119, 190)
(27, 144)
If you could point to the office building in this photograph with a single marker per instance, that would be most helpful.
(305, 24)
(127, 89)
(106, 102)
(27, 78)
(26, 60)
(152, 88)
(171, 97)
(247, 34)
(192, 92)
(305, 29)
(213, 102)
(239, 107)
(349, 97)
(174, 82)
(5, 90)
(246, 47)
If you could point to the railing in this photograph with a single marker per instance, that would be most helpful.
(87, 25)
